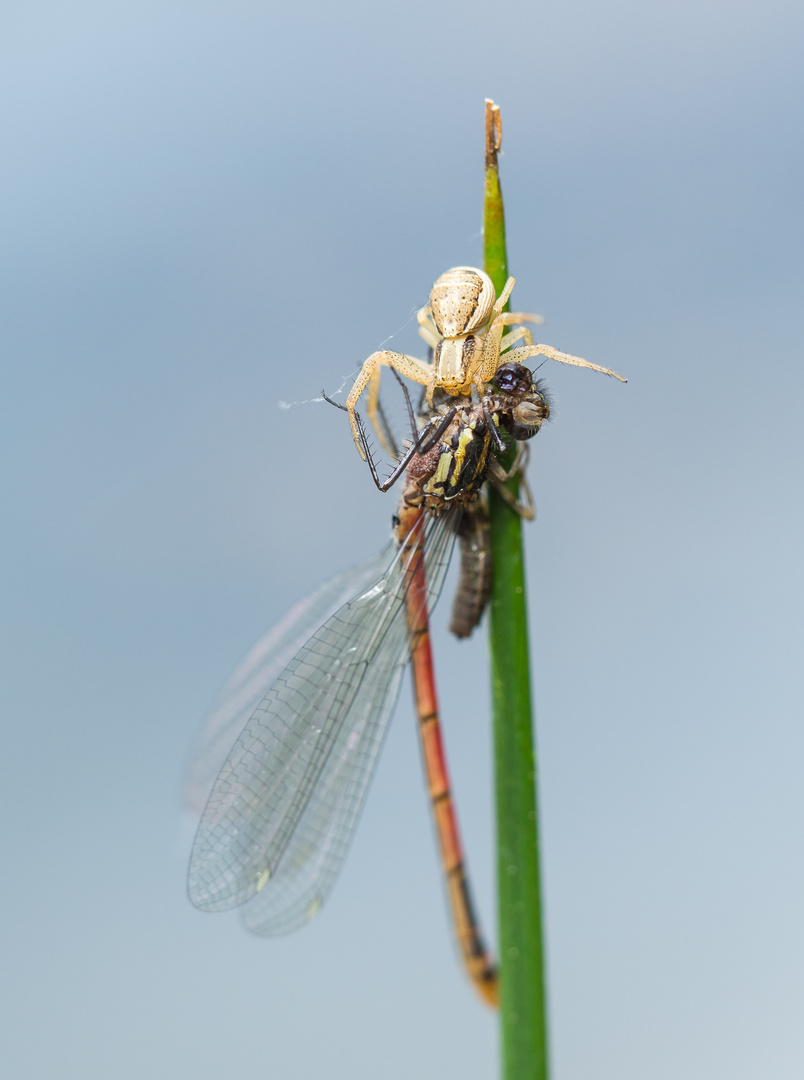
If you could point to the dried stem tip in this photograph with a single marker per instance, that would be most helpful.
(493, 133)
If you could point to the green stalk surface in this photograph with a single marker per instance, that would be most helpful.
(523, 1013)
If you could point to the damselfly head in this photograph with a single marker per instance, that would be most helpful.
(513, 378)
(530, 407)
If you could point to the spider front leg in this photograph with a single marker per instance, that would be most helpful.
(492, 341)
(416, 370)
(502, 299)
(490, 356)
(427, 328)
(521, 332)
(514, 318)
(519, 356)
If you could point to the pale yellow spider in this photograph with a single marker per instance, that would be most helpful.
(463, 323)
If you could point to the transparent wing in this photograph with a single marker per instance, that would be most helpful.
(249, 682)
(313, 858)
(283, 809)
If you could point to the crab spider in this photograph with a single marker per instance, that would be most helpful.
(464, 324)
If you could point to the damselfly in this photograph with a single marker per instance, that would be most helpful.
(299, 726)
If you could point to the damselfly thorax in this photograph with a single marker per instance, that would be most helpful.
(452, 471)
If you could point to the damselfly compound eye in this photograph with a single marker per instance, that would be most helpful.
(512, 378)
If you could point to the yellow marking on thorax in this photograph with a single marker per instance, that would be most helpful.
(484, 456)
(442, 469)
(464, 439)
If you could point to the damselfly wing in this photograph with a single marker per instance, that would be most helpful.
(283, 808)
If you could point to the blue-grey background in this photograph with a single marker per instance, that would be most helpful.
(209, 208)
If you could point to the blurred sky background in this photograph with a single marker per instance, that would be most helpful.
(210, 208)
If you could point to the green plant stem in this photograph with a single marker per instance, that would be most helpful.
(522, 983)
